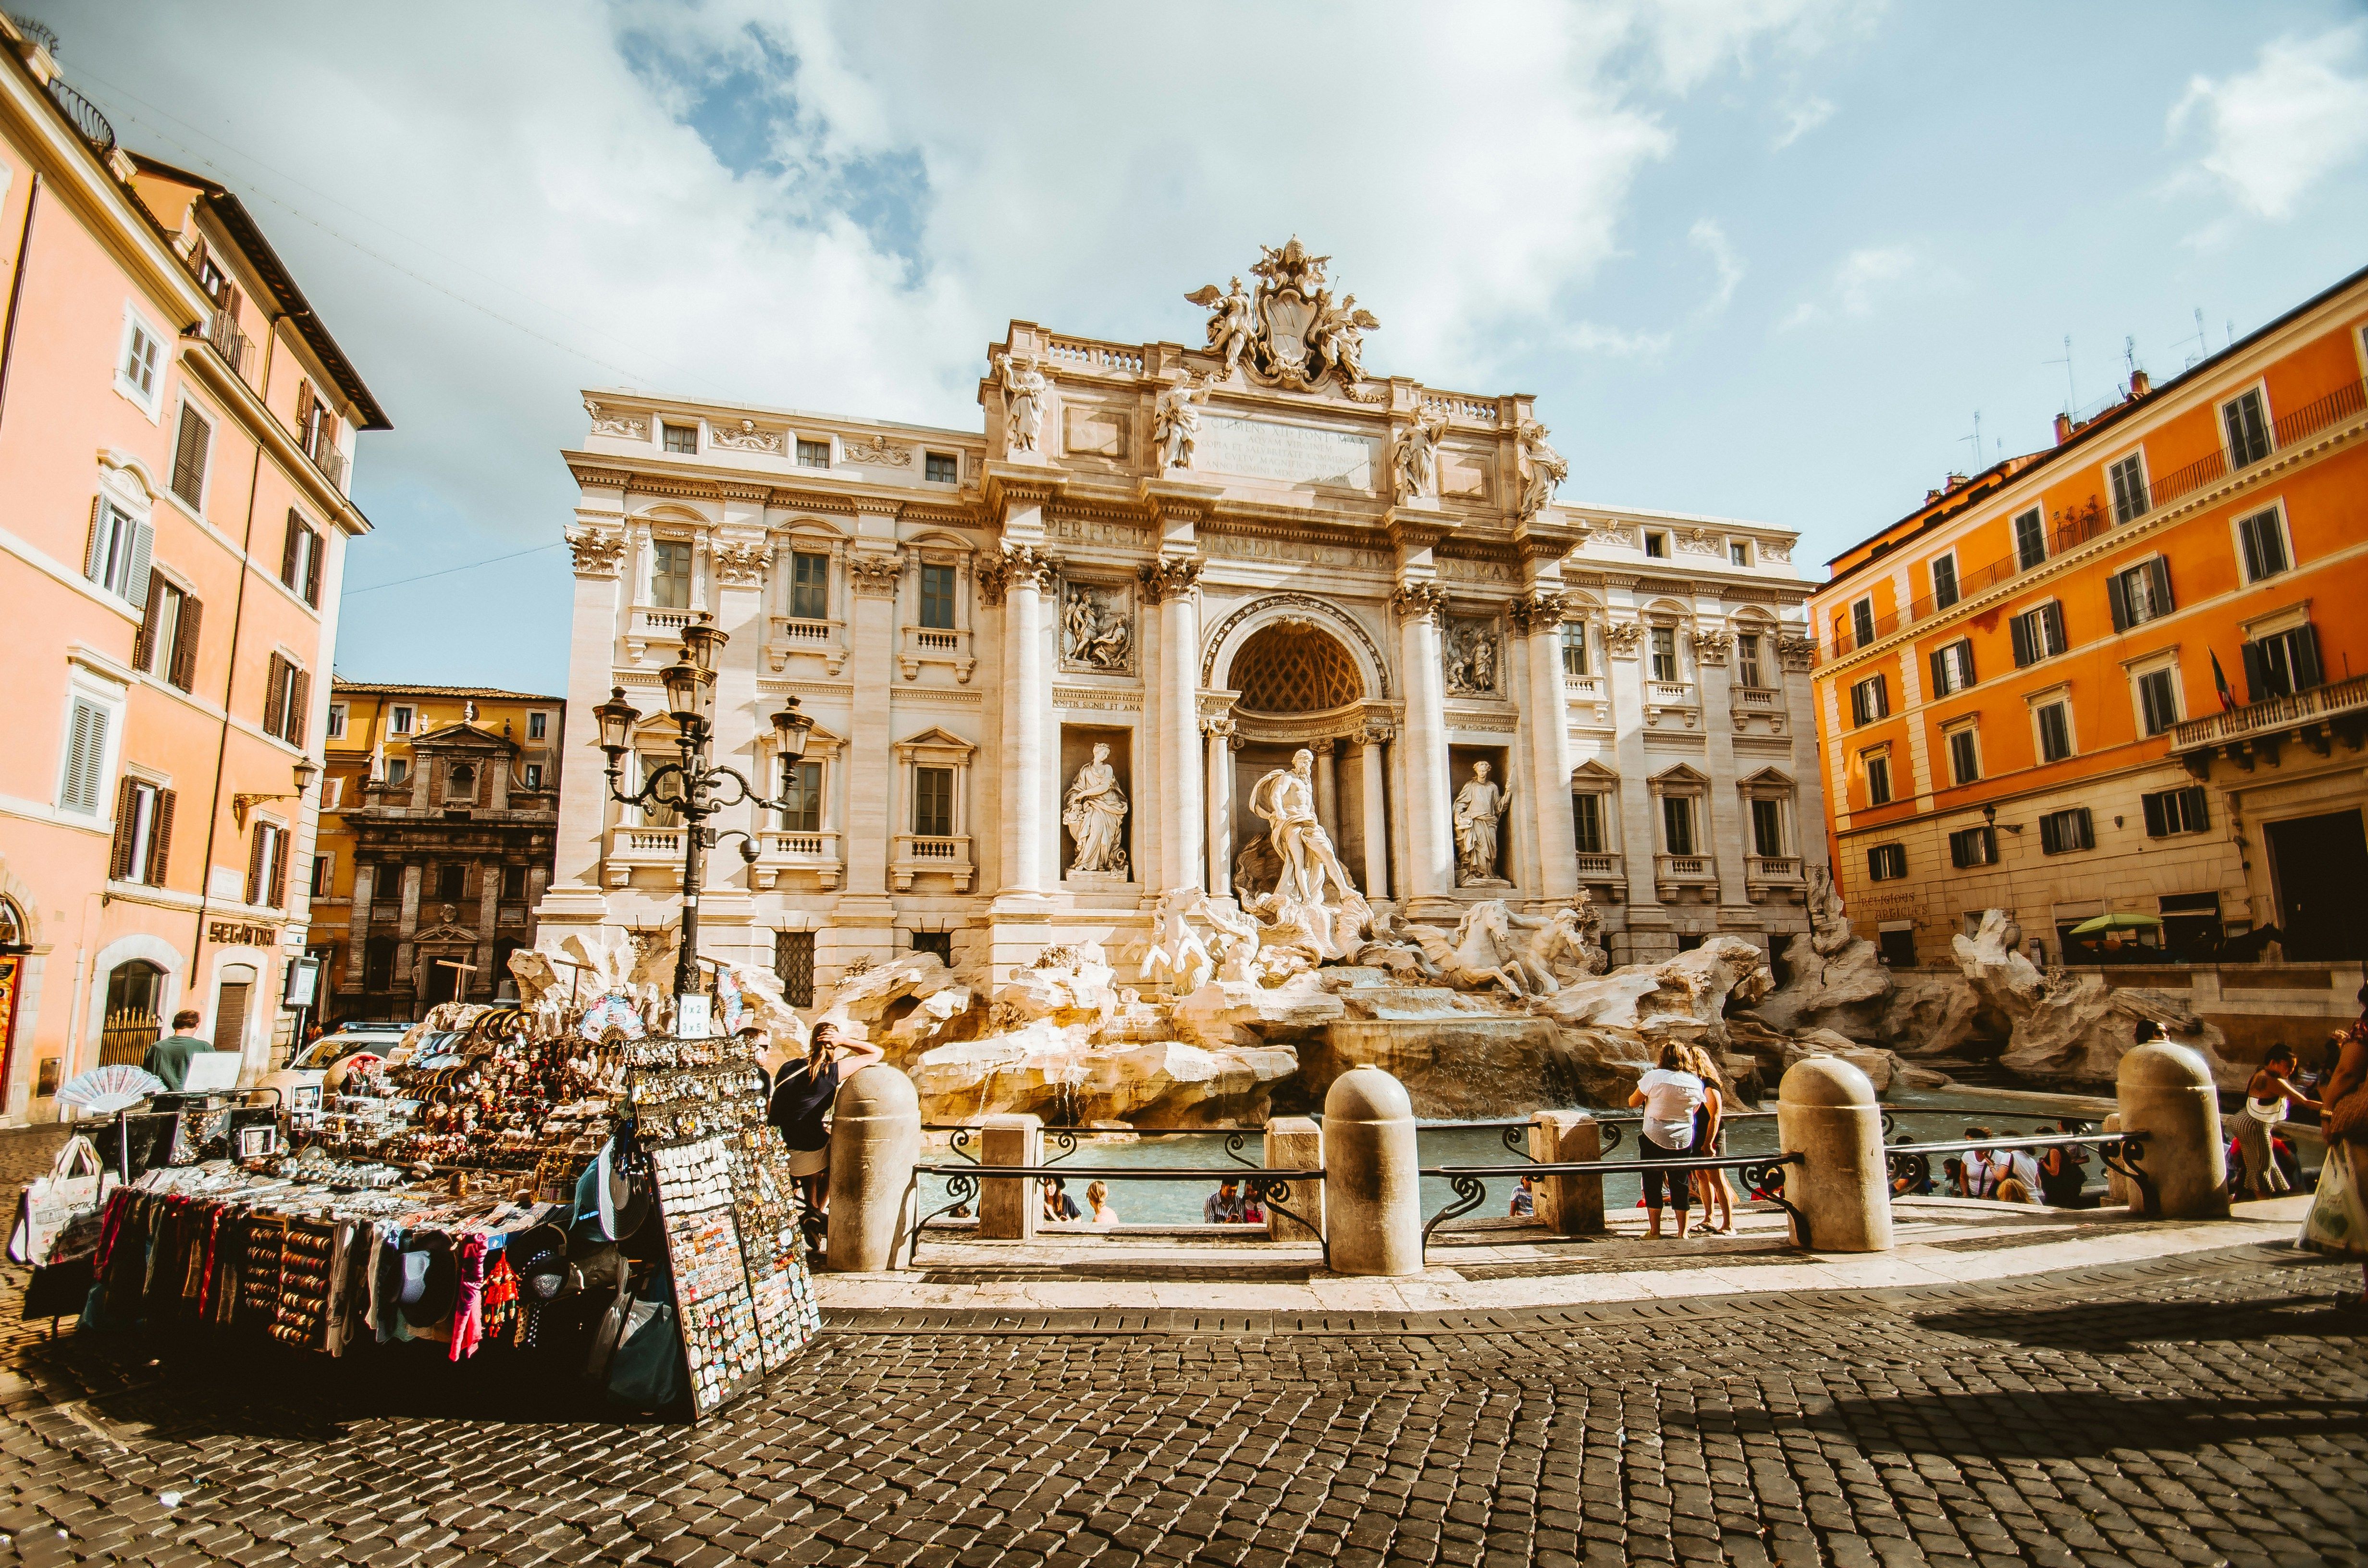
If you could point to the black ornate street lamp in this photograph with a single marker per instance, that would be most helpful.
(696, 786)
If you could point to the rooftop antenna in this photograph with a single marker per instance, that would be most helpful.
(2232, 331)
(2201, 347)
(2071, 392)
(1976, 439)
(2130, 356)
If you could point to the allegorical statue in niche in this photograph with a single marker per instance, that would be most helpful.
(1470, 652)
(1286, 799)
(1023, 403)
(1414, 458)
(1095, 814)
(1175, 423)
(1479, 806)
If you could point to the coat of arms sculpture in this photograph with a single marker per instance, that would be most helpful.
(1290, 334)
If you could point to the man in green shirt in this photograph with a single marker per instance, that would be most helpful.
(168, 1060)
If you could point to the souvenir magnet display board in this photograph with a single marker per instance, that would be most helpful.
(725, 1199)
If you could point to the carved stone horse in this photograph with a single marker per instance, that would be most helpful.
(1483, 951)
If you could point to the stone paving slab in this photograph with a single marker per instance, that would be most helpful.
(2202, 1408)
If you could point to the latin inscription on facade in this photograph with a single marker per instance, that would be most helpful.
(1296, 454)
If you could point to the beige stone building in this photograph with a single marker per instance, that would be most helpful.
(1049, 660)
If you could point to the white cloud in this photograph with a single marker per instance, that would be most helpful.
(1803, 117)
(1710, 237)
(2275, 131)
(840, 207)
(1611, 342)
(1867, 278)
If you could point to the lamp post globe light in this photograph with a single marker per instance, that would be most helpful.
(694, 789)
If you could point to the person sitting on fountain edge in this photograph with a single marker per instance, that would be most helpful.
(1223, 1206)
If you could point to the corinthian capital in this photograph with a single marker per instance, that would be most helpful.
(1419, 601)
(1538, 608)
(1017, 565)
(596, 551)
(875, 573)
(1171, 575)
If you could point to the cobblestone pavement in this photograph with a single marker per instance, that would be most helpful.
(2205, 1409)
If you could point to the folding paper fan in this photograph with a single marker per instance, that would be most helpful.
(110, 1088)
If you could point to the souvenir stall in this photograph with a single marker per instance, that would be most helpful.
(552, 1182)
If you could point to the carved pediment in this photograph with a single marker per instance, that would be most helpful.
(450, 934)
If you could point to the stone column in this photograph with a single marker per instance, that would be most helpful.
(489, 900)
(407, 923)
(600, 618)
(1031, 765)
(1431, 847)
(1539, 616)
(1377, 820)
(1169, 583)
(1220, 799)
(358, 922)
(1567, 1205)
(872, 633)
(1327, 787)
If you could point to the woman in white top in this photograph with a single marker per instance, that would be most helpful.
(2266, 1098)
(1671, 1094)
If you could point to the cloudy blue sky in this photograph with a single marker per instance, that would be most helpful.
(1764, 258)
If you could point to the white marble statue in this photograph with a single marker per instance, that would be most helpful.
(1095, 814)
(1547, 470)
(1093, 639)
(1286, 799)
(1023, 404)
(1175, 423)
(1414, 459)
(1233, 321)
(1479, 806)
(1178, 958)
(1338, 336)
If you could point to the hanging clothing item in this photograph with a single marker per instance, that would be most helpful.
(468, 1310)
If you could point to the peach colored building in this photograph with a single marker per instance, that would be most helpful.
(177, 427)
(2127, 675)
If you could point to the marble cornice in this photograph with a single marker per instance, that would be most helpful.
(1229, 523)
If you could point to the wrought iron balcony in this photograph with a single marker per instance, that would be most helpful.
(88, 123)
(2341, 706)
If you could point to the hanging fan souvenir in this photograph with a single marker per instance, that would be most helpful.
(613, 1011)
(730, 1007)
(104, 1090)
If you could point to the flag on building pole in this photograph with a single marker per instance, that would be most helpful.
(2220, 684)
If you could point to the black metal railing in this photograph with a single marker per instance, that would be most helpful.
(88, 123)
(1911, 1164)
(1269, 1186)
(1762, 1173)
(1065, 1138)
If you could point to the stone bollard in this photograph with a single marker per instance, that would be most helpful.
(1372, 1182)
(1295, 1143)
(875, 1140)
(1567, 1205)
(1008, 1207)
(2119, 1193)
(1826, 1111)
(2166, 1092)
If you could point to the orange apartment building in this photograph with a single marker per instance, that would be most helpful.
(2017, 686)
(177, 427)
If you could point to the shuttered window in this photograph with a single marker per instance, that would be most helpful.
(287, 702)
(2158, 699)
(2060, 832)
(2128, 479)
(2247, 428)
(1952, 667)
(166, 643)
(1964, 756)
(1878, 779)
(2282, 664)
(266, 866)
(144, 833)
(2175, 811)
(190, 452)
(116, 556)
(2140, 594)
(1886, 862)
(1973, 846)
(2054, 734)
(2264, 539)
(1944, 581)
(2029, 540)
(1862, 621)
(299, 560)
(1870, 700)
(86, 758)
(2038, 633)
